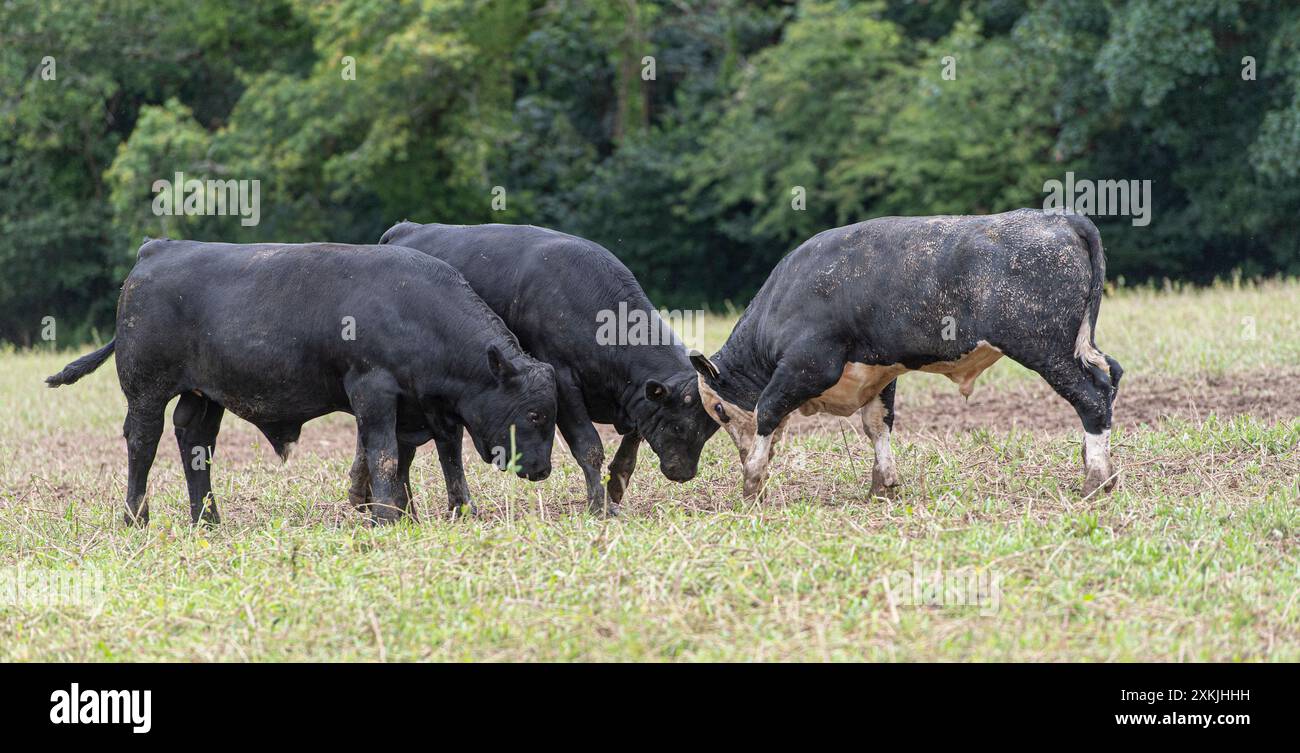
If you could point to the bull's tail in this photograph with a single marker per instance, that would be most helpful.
(81, 367)
(1084, 347)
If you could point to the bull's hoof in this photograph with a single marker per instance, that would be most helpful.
(463, 510)
(208, 518)
(359, 499)
(1098, 480)
(387, 513)
(885, 488)
(378, 521)
(136, 520)
(607, 510)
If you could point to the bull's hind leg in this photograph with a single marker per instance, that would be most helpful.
(878, 422)
(143, 428)
(1091, 391)
(197, 421)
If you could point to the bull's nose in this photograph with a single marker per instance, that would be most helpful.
(536, 475)
(679, 474)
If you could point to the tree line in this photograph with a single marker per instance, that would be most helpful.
(699, 140)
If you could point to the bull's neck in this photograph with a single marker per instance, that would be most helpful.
(662, 363)
(743, 368)
(449, 382)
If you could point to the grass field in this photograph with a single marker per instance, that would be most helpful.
(1193, 557)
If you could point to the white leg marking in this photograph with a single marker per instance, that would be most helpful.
(885, 459)
(758, 456)
(1098, 471)
(756, 466)
(873, 422)
(1096, 451)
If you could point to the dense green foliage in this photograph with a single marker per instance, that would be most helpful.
(687, 176)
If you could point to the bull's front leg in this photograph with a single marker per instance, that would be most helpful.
(388, 502)
(795, 381)
(405, 455)
(621, 467)
(584, 442)
(374, 402)
(453, 473)
(759, 458)
(359, 476)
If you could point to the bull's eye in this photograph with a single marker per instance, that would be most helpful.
(722, 414)
(534, 417)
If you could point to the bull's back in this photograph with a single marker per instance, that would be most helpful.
(228, 288)
(548, 287)
(271, 319)
(908, 289)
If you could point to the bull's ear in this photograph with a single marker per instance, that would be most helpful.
(655, 392)
(500, 365)
(703, 365)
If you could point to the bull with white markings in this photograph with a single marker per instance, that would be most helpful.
(848, 311)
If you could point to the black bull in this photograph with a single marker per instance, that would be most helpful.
(852, 308)
(551, 289)
(281, 334)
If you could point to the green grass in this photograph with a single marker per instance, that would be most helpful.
(1193, 557)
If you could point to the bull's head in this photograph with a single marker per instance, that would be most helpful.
(739, 423)
(520, 396)
(676, 427)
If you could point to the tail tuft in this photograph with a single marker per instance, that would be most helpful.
(82, 366)
(1084, 347)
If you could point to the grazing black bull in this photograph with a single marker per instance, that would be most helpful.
(852, 308)
(551, 288)
(281, 334)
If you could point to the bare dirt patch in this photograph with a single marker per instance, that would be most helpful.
(1268, 395)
